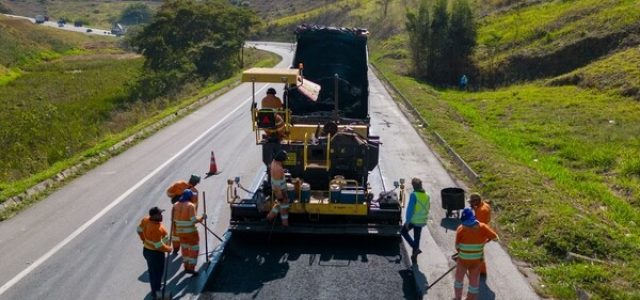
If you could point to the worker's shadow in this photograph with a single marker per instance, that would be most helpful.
(450, 223)
(485, 291)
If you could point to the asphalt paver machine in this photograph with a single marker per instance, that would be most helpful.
(324, 126)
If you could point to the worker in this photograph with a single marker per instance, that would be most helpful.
(482, 211)
(185, 220)
(271, 100)
(156, 243)
(279, 188)
(471, 236)
(175, 192)
(416, 217)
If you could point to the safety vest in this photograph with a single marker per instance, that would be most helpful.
(421, 209)
(279, 129)
(470, 240)
(153, 235)
(185, 217)
(179, 186)
(483, 212)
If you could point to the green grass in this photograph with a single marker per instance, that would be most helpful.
(57, 109)
(619, 73)
(549, 25)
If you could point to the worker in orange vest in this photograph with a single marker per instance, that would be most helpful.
(482, 210)
(471, 236)
(175, 192)
(156, 243)
(279, 188)
(185, 219)
(271, 100)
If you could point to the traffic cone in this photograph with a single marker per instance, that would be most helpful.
(213, 168)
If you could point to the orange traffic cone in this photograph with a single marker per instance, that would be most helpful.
(213, 168)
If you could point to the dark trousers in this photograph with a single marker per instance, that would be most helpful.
(417, 231)
(155, 264)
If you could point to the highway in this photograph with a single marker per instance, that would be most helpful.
(80, 242)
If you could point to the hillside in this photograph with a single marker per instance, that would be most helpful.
(57, 89)
(555, 143)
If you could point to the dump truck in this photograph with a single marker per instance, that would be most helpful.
(334, 184)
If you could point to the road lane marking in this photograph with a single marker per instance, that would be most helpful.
(115, 202)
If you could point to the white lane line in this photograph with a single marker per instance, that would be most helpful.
(115, 202)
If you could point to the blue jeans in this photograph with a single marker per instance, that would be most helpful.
(417, 231)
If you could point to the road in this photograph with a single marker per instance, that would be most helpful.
(80, 242)
(68, 27)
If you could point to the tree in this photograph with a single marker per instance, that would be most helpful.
(190, 38)
(418, 28)
(385, 5)
(438, 42)
(462, 38)
(137, 13)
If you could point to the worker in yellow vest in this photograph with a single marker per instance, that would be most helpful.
(416, 217)
(185, 219)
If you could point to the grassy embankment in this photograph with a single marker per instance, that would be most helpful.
(560, 163)
(70, 102)
(558, 156)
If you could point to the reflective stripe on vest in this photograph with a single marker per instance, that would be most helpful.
(421, 209)
(471, 251)
(152, 244)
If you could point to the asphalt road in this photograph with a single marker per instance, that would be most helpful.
(80, 242)
(312, 267)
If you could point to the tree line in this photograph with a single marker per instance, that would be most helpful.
(189, 41)
(441, 41)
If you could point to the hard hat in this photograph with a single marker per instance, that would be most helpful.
(281, 156)
(467, 217)
(271, 91)
(195, 179)
(186, 195)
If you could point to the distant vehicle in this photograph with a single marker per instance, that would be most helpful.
(46, 18)
(40, 19)
(117, 29)
(89, 30)
(77, 24)
(60, 23)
